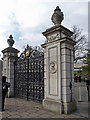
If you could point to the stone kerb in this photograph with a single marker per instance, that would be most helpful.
(0, 88)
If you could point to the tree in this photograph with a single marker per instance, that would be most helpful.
(86, 68)
(81, 42)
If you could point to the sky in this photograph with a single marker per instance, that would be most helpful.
(27, 19)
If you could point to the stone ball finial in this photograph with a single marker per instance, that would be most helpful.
(10, 41)
(57, 16)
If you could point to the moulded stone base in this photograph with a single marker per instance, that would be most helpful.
(69, 107)
(52, 105)
(58, 107)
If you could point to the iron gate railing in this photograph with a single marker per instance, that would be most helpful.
(29, 75)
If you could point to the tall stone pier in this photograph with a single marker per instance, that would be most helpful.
(0, 87)
(58, 68)
(10, 54)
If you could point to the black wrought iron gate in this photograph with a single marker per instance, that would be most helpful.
(29, 75)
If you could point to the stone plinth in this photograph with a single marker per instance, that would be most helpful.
(0, 86)
(58, 70)
(10, 54)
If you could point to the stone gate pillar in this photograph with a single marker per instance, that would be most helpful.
(0, 87)
(10, 54)
(58, 68)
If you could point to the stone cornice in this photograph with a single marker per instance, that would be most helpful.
(10, 49)
(58, 28)
(65, 39)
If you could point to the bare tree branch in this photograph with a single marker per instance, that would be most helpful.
(81, 43)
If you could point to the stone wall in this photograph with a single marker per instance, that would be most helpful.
(67, 68)
(0, 86)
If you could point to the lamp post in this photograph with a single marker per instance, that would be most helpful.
(27, 55)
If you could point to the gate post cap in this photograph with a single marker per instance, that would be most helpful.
(57, 16)
(10, 41)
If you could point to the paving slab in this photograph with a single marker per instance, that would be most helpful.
(83, 109)
(20, 108)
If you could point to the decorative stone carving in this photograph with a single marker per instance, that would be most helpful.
(53, 67)
(53, 37)
(57, 16)
(10, 41)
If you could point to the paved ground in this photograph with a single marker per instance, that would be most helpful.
(81, 94)
(19, 108)
(83, 109)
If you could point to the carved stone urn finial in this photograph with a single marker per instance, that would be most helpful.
(10, 41)
(57, 16)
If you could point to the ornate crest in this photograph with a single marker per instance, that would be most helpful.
(53, 67)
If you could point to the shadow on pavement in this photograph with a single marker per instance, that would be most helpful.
(83, 109)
